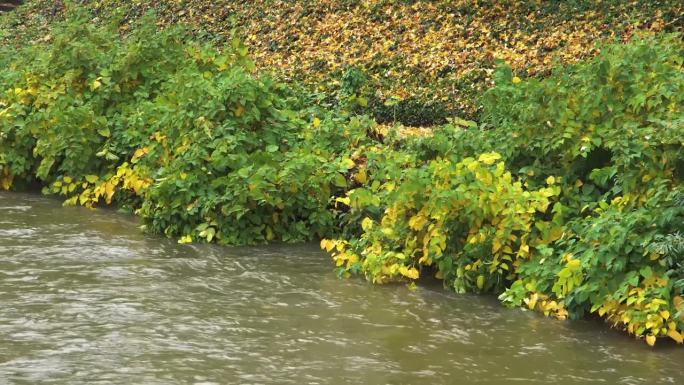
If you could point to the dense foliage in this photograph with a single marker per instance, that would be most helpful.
(590, 217)
(184, 135)
(566, 197)
(432, 58)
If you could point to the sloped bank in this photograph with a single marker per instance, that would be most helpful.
(567, 198)
(372, 56)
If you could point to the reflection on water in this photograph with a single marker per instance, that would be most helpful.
(85, 298)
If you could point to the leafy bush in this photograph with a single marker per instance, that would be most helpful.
(614, 122)
(470, 219)
(588, 219)
(186, 136)
(613, 128)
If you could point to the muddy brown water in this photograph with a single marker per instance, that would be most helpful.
(86, 298)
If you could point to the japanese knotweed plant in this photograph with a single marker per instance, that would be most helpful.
(608, 135)
(184, 134)
(471, 221)
(614, 124)
(614, 262)
(613, 128)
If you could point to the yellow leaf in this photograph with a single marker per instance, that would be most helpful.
(417, 222)
(489, 158)
(524, 250)
(665, 314)
(574, 263)
(516, 80)
(496, 245)
(327, 244)
(316, 122)
(139, 153)
(344, 200)
(361, 176)
(366, 223)
(409, 272)
(650, 340)
(348, 163)
(185, 239)
(550, 181)
(5, 183)
(678, 301)
(239, 110)
(675, 335)
(109, 190)
(480, 281)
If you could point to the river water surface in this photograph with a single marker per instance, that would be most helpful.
(85, 298)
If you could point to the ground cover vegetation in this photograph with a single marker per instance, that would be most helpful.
(414, 61)
(564, 196)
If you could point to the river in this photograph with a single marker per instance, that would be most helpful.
(86, 298)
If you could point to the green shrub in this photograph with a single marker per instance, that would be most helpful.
(614, 122)
(590, 215)
(614, 129)
(186, 136)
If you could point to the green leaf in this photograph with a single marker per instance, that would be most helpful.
(646, 271)
(340, 181)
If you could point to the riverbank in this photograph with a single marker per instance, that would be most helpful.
(565, 197)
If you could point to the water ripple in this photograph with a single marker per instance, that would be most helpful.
(85, 298)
